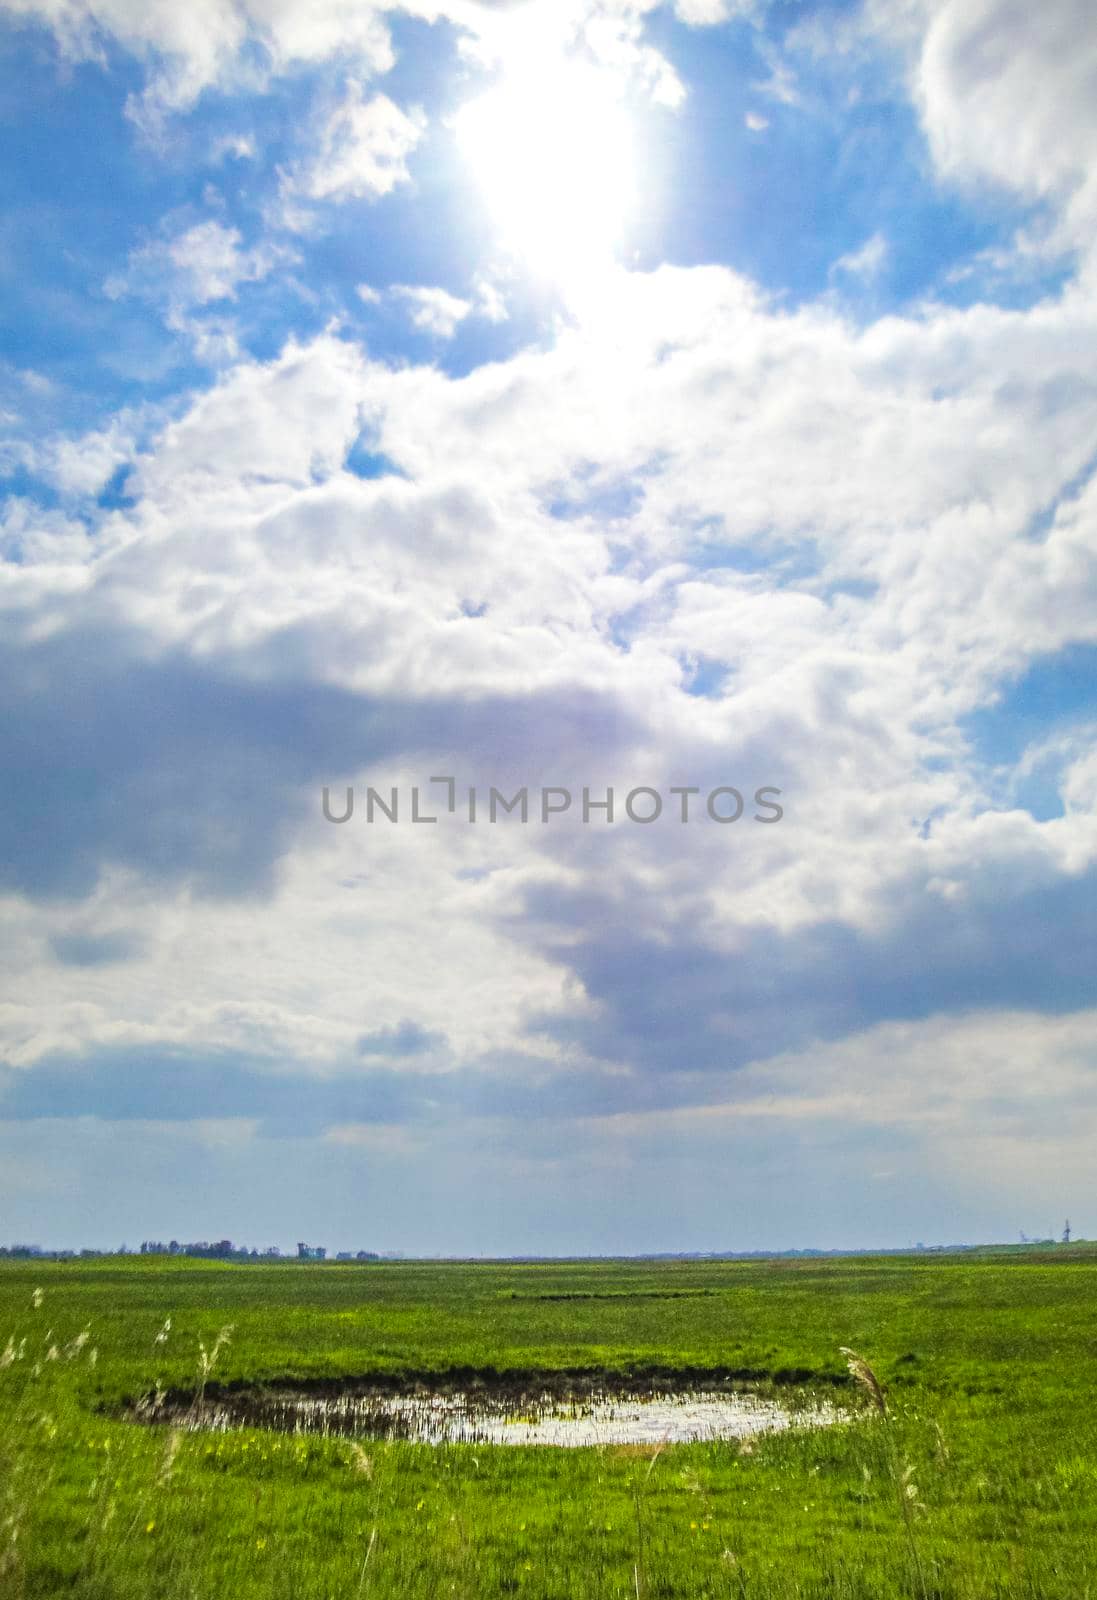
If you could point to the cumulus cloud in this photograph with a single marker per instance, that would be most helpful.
(438, 312)
(186, 270)
(434, 311)
(75, 466)
(1008, 96)
(362, 152)
(204, 46)
(195, 266)
(490, 301)
(261, 621)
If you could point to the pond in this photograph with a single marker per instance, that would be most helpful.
(592, 1417)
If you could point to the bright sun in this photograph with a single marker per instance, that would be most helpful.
(552, 148)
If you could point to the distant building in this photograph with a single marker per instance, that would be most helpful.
(311, 1252)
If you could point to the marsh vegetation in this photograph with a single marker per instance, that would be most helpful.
(971, 1471)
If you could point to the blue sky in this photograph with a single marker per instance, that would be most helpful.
(597, 394)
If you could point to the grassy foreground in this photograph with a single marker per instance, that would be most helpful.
(981, 1481)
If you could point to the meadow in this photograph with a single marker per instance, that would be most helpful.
(979, 1480)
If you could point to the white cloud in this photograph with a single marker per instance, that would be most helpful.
(867, 262)
(202, 264)
(192, 268)
(316, 30)
(234, 146)
(993, 1111)
(706, 13)
(363, 150)
(225, 44)
(440, 313)
(47, 544)
(215, 42)
(83, 466)
(261, 429)
(616, 42)
(249, 545)
(434, 311)
(781, 85)
(79, 466)
(202, 45)
(194, 46)
(1008, 95)
(490, 302)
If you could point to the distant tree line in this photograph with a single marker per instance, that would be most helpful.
(219, 1250)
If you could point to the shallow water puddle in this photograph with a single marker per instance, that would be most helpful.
(592, 1419)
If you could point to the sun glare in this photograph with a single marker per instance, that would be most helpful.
(551, 147)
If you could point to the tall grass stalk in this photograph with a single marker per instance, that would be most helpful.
(901, 1474)
(639, 1568)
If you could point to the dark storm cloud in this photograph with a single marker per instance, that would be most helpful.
(189, 770)
(668, 1002)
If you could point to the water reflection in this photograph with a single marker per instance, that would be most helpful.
(544, 1419)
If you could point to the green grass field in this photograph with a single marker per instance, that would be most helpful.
(981, 1481)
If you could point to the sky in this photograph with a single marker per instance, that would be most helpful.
(586, 396)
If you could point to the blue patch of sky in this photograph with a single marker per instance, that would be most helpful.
(1042, 524)
(20, 483)
(1037, 790)
(613, 501)
(632, 622)
(852, 589)
(73, 190)
(705, 677)
(785, 564)
(114, 496)
(1055, 695)
(1056, 688)
(784, 203)
(366, 463)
